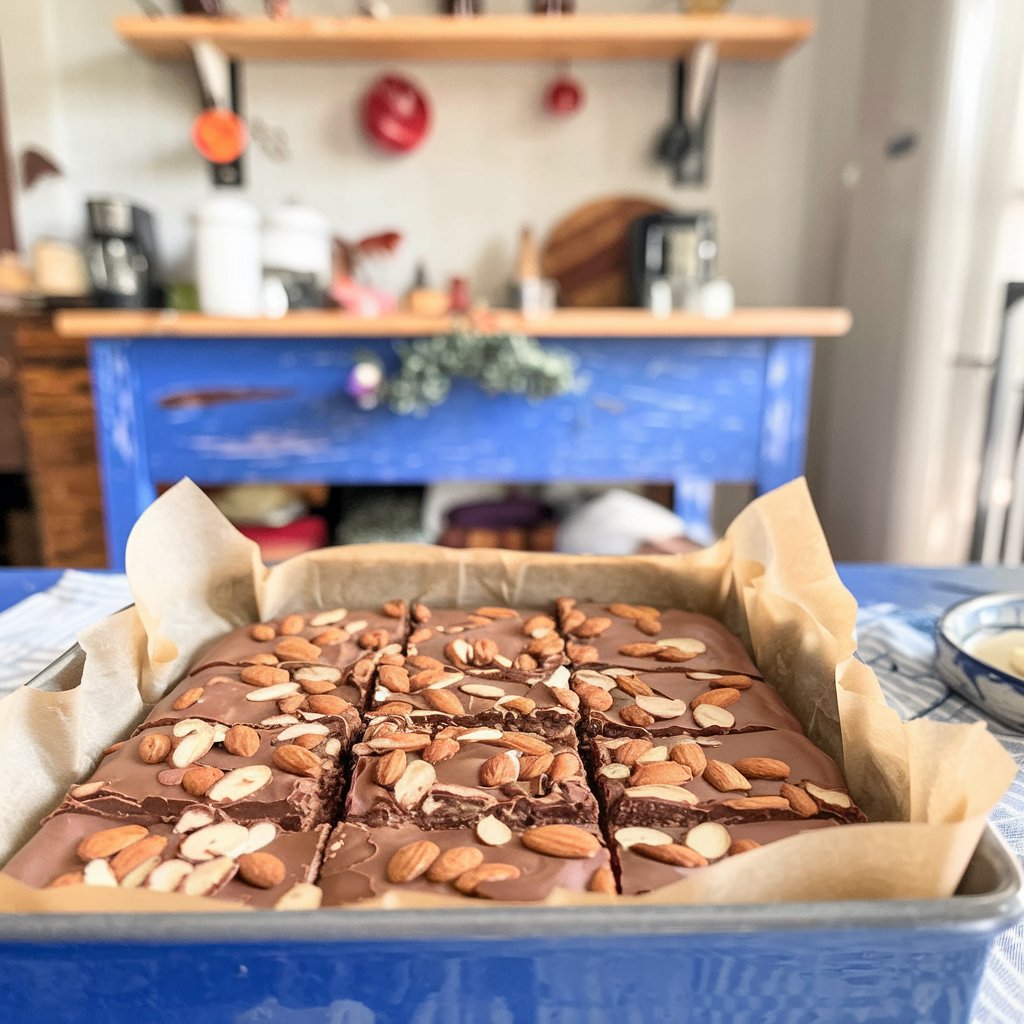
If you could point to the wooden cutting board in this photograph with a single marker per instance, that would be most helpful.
(587, 252)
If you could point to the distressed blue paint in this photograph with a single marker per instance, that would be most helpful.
(676, 410)
(787, 395)
(836, 976)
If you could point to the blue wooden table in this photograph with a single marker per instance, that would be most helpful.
(688, 410)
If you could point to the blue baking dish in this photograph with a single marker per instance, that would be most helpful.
(868, 961)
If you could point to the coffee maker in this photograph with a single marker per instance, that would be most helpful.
(674, 251)
(121, 255)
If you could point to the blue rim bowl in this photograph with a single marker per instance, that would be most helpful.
(996, 692)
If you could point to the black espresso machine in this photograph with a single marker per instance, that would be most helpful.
(673, 250)
(121, 255)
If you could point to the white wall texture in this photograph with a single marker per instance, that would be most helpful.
(118, 122)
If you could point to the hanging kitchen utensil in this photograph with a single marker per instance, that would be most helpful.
(683, 144)
(395, 114)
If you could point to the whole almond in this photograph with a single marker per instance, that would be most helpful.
(674, 654)
(546, 646)
(631, 714)
(422, 661)
(421, 612)
(374, 639)
(538, 625)
(572, 619)
(132, 856)
(411, 861)
(468, 881)
(362, 671)
(459, 652)
(291, 625)
(394, 609)
(629, 751)
(567, 698)
(589, 628)
(389, 768)
(625, 611)
(566, 765)
(582, 654)
(425, 678)
(440, 749)
(327, 704)
(568, 841)
(661, 773)
(329, 637)
(648, 624)
(736, 682)
(799, 800)
(671, 853)
(762, 768)
(640, 650)
(757, 803)
(602, 880)
(633, 686)
(455, 862)
(724, 777)
(68, 878)
(261, 869)
(393, 707)
(419, 636)
(520, 705)
(154, 747)
(524, 742)
(742, 846)
(294, 648)
(394, 679)
(533, 766)
(498, 770)
(400, 741)
(110, 841)
(691, 755)
(259, 658)
(525, 663)
(485, 650)
(444, 701)
(198, 779)
(723, 697)
(291, 703)
(296, 761)
(262, 631)
(594, 697)
(317, 678)
(496, 612)
(263, 675)
(188, 698)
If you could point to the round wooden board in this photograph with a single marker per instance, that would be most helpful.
(587, 252)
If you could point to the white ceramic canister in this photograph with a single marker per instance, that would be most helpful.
(229, 268)
(297, 238)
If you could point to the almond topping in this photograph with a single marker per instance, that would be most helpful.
(240, 783)
(262, 870)
(799, 801)
(198, 779)
(276, 692)
(710, 716)
(671, 853)
(263, 675)
(629, 751)
(328, 618)
(723, 697)
(533, 766)
(411, 861)
(495, 612)
(132, 857)
(743, 846)
(188, 698)
(724, 777)
(757, 803)
(568, 841)
(662, 707)
(154, 747)
(633, 715)
(762, 768)
(664, 773)
(468, 881)
(499, 769)
(590, 628)
(454, 862)
(566, 765)
(242, 741)
(691, 755)
(709, 839)
(414, 784)
(262, 632)
(225, 839)
(440, 749)
(297, 761)
(524, 742)
(482, 690)
(109, 841)
(327, 704)
(671, 794)
(829, 797)
(602, 880)
(640, 650)
(633, 686)
(593, 697)
(492, 832)
(389, 768)
(301, 896)
(628, 837)
(444, 701)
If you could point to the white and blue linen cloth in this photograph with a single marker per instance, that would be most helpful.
(896, 642)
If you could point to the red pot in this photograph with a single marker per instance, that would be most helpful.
(395, 114)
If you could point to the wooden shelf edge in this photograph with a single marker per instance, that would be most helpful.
(563, 323)
(488, 37)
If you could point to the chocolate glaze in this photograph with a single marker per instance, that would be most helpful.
(131, 790)
(51, 852)
(724, 651)
(355, 866)
(638, 874)
(759, 707)
(519, 804)
(806, 762)
(224, 700)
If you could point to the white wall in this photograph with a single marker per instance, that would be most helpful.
(119, 123)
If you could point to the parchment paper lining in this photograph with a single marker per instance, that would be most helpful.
(926, 787)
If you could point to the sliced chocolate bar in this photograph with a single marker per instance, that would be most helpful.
(651, 858)
(733, 779)
(489, 862)
(642, 637)
(201, 853)
(622, 702)
(457, 776)
(288, 775)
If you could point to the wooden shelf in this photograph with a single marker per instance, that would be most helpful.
(489, 37)
(563, 323)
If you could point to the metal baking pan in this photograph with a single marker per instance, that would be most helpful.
(852, 961)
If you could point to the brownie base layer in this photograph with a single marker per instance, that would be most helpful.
(454, 778)
(357, 860)
(639, 870)
(278, 781)
(746, 777)
(52, 855)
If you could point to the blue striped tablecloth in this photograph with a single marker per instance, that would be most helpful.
(896, 641)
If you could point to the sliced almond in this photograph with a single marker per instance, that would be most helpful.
(225, 839)
(662, 707)
(240, 783)
(166, 877)
(329, 617)
(301, 896)
(688, 645)
(709, 839)
(195, 742)
(630, 836)
(595, 678)
(492, 832)
(482, 690)
(829, 797)
(303, 729)
(673, 794)
(614, 771)
(270, 693)
(482, 735)
(654, 756)
(414, 784)
(135, 877)
(99, 872)
(263, 833)
(710, 716)
(559, 679)
(192, 818)
(209, 877)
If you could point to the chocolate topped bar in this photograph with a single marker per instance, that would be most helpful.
(263, 698)
(361, 863)
(643, 637)
(288, 775)
(745, 777)
(458, 776)
(201, 853)
(621, 702)
(650, 858)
